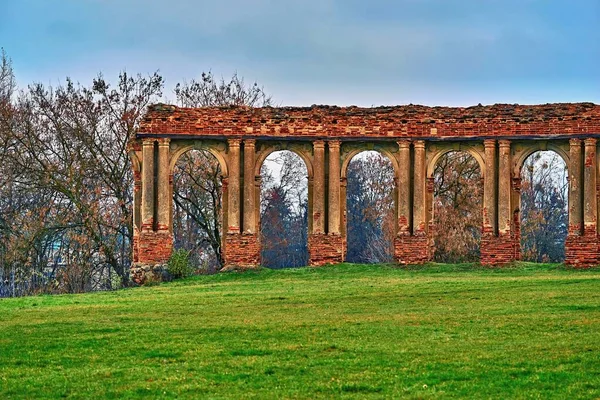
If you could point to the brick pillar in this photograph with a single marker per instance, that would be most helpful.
(329, 248)
(412, 249)
(322, 248)
(404, 188)
(489, 188)
(234, 186)
(419, 194)
(497, 249)
(240, 250)
(164, 192)
(148, 185)
(153, 246)
(590, 211)
(581, 247)
(249, 187)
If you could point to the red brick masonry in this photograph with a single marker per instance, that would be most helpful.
(500, 120)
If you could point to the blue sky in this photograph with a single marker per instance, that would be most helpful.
(369, 52)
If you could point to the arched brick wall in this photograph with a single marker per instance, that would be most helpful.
(498, 136)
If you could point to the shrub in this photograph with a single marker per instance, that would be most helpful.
(179, 265)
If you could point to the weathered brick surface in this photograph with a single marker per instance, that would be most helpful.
(242, 250)
(582, 251)
(154, 247)
(325, 249)
(497, 250)
(378, 122)
(412, 249)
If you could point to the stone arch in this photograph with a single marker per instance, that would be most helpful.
(272, 148)
(552, 251)
(288, 247)
(524, 153)
(471, 215)
(177, 153)
(437, 154)
(219, 155)
(347, 157)
(301, 150)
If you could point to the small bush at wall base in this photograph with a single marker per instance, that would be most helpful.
(179, 265)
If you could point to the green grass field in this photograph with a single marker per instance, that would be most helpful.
(352, 331)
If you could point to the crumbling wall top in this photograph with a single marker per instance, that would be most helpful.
(376, 122)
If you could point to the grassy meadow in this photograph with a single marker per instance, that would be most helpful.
(344, 331)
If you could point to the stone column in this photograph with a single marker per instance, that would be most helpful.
(575, 200)
(334, 187)
(404, 188)
(234, 186)
(590, 211)
(148, 185)
(257, 184)
(249, 187)
(319, 187)
(164, 192)
(489, 188)
(516, 214)
(137, 200)
(504, 188)
(419, 206)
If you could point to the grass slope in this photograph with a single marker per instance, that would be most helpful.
(343, 331)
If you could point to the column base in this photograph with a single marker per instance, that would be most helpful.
(325, 249)
(410, 249)
(582, 251)
(143, 273)
(497, 250)
(154, 247)
(241, 251)
(151, 252)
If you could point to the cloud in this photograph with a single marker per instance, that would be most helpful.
(374, 51)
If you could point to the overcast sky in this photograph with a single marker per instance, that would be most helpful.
(363, 52)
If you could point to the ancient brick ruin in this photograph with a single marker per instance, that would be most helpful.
(499, 137)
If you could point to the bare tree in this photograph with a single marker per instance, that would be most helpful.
(284, 210)
(458, 198)
(370, 209)
(197, 176)
(544, 213)
(70, 169)
(197, 206)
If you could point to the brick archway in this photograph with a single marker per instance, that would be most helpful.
(499, 136)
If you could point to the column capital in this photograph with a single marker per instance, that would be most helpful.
(164, 142)
(590, 141)
(148, 142)
(249, 142)
(574, 141)
(489, 142)
(504, 143)
(403, 143)
(319, 144)
(334, 144)
(234, 142)
(419, 144)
